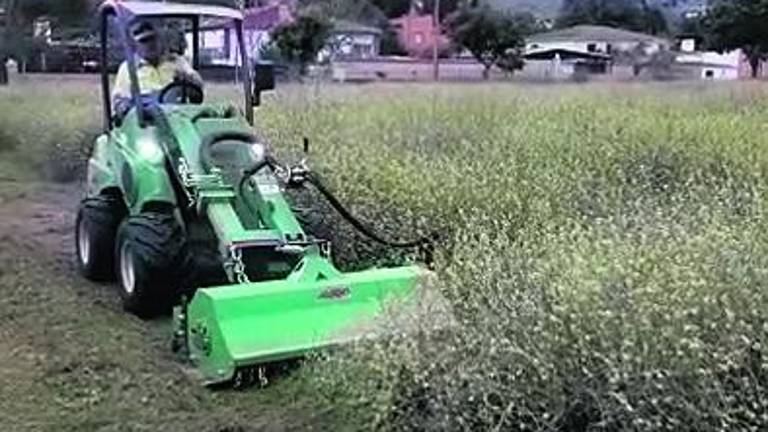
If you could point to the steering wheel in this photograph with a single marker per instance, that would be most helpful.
(181, 92)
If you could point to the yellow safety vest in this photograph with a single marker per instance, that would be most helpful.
(151, 78)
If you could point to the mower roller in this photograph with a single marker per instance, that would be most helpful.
(186, 208)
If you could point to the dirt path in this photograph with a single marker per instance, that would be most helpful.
(70, 359)
(39, 217)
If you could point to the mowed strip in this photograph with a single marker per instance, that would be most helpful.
(70, 359)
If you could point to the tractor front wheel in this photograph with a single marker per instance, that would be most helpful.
(95, 231)
(150, 255)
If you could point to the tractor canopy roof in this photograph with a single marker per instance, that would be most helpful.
(134, 9)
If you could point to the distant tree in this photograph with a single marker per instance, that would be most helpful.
(634, 15)
(390, 44)
(396, 8)
(16, 38)
(65, 11)
(447, 7)
(492, 38)
(694, 27)
(655, 21)
(658, 65)
(360, 11)
(393, 8)
(739, 24)
(300, 41)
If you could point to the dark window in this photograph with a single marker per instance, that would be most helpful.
(592, 47)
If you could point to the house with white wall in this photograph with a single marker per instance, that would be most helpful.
(595, 39)
(353, 41)
(586, 50)
(709, 65)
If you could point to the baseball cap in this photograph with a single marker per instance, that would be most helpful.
(143, 31)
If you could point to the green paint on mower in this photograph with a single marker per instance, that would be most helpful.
(238, 326)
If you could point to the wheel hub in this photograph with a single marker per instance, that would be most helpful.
(83, 244)
(127, 270)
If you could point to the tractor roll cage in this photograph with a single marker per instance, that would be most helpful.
(128, 11)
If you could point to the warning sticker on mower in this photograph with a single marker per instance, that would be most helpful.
(335, 293)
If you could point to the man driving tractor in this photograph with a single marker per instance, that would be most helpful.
(156, 67)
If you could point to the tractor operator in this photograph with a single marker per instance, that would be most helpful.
(156, 67)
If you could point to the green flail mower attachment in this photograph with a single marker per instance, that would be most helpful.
(286, 298)
(232, 328)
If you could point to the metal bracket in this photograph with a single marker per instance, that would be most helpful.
(194, 183)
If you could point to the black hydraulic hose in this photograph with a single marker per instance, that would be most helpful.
(424, 243)
(347, 215)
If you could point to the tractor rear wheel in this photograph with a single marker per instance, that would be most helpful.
(150, 255)
(95, 229)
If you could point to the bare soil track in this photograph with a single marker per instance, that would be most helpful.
(70, 359)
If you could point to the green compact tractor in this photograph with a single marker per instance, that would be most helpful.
(185, 208)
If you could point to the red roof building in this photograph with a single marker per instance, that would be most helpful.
(417, 35)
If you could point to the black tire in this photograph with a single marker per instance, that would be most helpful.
(95, 231)
(150, 255)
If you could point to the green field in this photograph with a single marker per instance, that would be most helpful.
(605, 249)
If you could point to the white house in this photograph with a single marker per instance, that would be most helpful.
(353, 41)
(709, 65)
(587, 50)
(595, 39)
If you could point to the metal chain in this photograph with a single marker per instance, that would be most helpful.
(238, 267)
(249, 376)
(192, 183)
(261, 375)
(186, 180)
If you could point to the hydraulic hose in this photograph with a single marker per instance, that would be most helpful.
(358, 225)
(426, 243)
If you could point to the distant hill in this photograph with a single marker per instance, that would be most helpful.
(541, 8)
(673, 9)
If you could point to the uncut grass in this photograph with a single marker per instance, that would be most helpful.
(46, 128)
(603, 248)
(605, 255)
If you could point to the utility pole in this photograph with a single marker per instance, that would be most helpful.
(436, 41)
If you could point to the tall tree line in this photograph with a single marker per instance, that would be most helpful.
(16, 36)
(636, 15)
(737, 24)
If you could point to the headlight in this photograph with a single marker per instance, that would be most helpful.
(149, 150)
